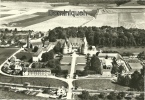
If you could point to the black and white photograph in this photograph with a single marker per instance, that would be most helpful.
(72, 49)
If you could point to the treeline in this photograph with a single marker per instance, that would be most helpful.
(102, 36)
(51, 1)
(111, 96)
(141, 2)
(76, 2)
(135, 82)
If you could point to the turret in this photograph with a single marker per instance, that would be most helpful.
(65, 48)
(70, 48)
(85, 47)
(28, 41)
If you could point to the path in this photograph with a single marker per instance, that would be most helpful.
(70, 79)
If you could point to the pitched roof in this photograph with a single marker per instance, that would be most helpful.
(76, 41)
(37, 69)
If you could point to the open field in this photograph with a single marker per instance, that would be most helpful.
(30, 21)
(33, 80)
(5, 15)
(12, 95)
(5, 53)
(19, 18)
(60, 21)
(122, 49)
(128, 19)
(96, 84)
(31, 16)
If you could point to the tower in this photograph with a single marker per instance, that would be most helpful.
(28, 40)
(70, 48)
(85, 47)
(65, 48)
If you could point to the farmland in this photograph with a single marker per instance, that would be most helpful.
(129, 18)
(96, 84)
(33, 16)
(30, 21)
(63, 21)
(5, 53)
(5, 15)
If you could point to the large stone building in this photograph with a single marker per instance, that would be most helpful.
(79, 45)
(36, 72)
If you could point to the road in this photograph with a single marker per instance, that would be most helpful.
(105, 91)
(70, 79)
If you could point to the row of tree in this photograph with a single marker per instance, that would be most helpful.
(135, 82)
(142, 2)
(101, 36)
(103, 96)
(76, 2)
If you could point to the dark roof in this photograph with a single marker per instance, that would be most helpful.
(37, 69)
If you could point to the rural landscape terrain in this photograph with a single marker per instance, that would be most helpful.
(72, 49)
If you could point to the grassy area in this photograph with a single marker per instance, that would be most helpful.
(33, 81)
(122, 49)
(5, 53)
(12, 95)
(95, 84)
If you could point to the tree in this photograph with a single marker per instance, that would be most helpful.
(134, 79)
(43, 41)
(87, 62)
(121, 68)
(50, 54)
(12, 67)
(102, 95)
(23, 58)
(140, 84)
(141, 97)
(47, 56)
(114, 68)
(94, 97)
(112, 96)
(85, 95)
(35, 49)
(57, 47)
(52, 36)
(121, 95)
(126, 80)
(96, 64)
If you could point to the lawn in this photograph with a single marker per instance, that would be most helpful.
(122, 49)
(12, 95)
(33, 80)
(96, 84)
(5, 53)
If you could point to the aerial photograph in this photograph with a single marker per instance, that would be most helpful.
(72, 49)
